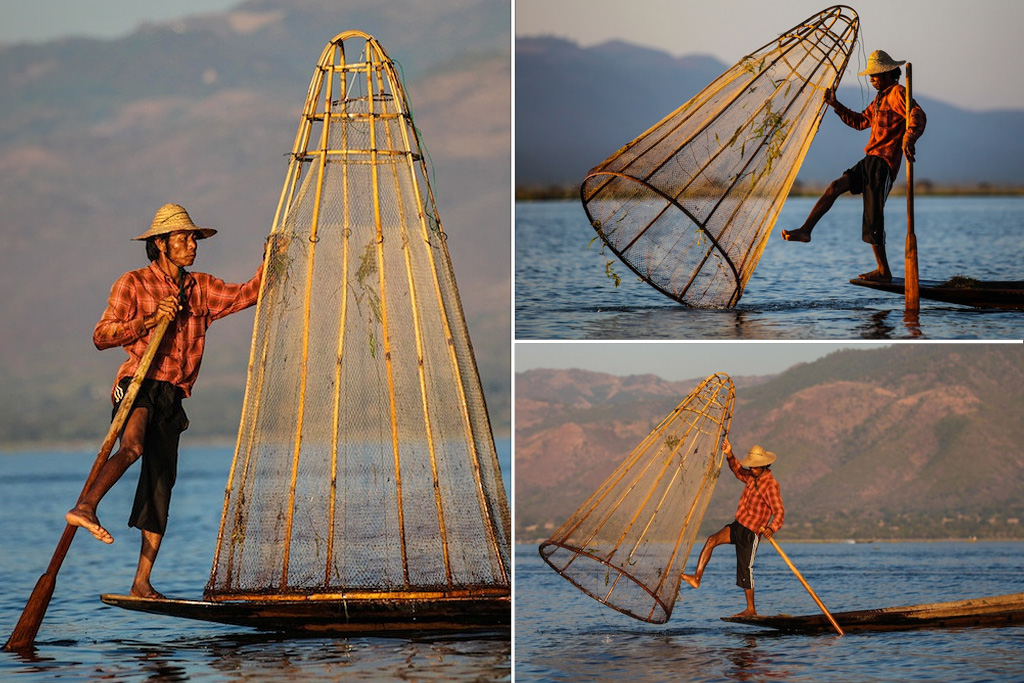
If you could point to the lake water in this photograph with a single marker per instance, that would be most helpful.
(82, 639)
(563, 635)
(798, 291)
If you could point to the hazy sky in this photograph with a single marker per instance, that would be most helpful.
(32, 21)
(967, 53)
(675, 361)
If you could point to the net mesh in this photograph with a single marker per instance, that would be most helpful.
(365, 460)
(689, 204)
(627, 544)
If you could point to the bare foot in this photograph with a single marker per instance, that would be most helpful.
(745, 613)
(798, 235)
(145, 590)
(86, 518)
(876, 276)
(691, 579)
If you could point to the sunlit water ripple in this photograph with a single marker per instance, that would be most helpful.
(798, 291)
(563, 635)
(83, 640)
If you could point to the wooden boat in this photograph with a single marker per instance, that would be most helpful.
(347, 615)
(1002, 610)
(960, 290)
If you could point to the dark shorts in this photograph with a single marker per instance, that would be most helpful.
(167, 420)
(745, 541)
(872, 177)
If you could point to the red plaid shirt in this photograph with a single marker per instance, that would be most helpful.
(136, 294)
(761, 502)
(887, 117)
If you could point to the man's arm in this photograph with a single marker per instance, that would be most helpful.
(226, 298)
(120, 323)
(774, 499)
(853, 119)
(915, 129)
(734, 464)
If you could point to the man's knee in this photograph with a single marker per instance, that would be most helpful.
(134, 435)
(130, 451)
(838, 186)
(719, 537)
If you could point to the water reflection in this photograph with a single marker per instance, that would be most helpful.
(486, 657)
(159, 667)
(877, 326)
(678, 322)
(750, 662)
(912, 321)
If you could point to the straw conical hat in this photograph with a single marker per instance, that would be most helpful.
(758, 457)
(879, 62)
(171, 218)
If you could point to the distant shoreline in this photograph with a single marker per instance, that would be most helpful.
(535, 193)
(78, 446)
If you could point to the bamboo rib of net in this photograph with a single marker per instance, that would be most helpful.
(365, 461)
(690, 203)
(627, 544)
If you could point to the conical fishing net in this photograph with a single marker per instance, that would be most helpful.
(689, 204)
(365, 464)
(627, 544)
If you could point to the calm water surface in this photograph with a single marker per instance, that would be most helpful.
(563, 635)
(82, 639)
(798, 291)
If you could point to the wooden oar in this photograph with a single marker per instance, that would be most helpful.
(807, 586)
(910, 281)
(25, 631)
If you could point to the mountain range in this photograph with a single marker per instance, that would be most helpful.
(95, 135)
(576, 106)
(907, 441)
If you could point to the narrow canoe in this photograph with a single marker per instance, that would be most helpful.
(1002, 610)
(334, 615)
(964, 291)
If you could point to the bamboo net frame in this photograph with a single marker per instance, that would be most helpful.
(689, 204)
(626, 546)
(365, 465)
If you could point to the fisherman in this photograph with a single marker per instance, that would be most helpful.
(760, 513)
(139, 301)
(873, 175)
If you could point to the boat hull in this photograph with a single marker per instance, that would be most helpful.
(335, 615)
(1003, 610)
(991, 294)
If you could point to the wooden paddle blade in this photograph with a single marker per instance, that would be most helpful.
(24, 635)
(912, 290)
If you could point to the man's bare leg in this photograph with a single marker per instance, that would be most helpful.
(84, 513)
(750, 611)
(836, 188)
(882, 273)
(714, 540)
(141, 587)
